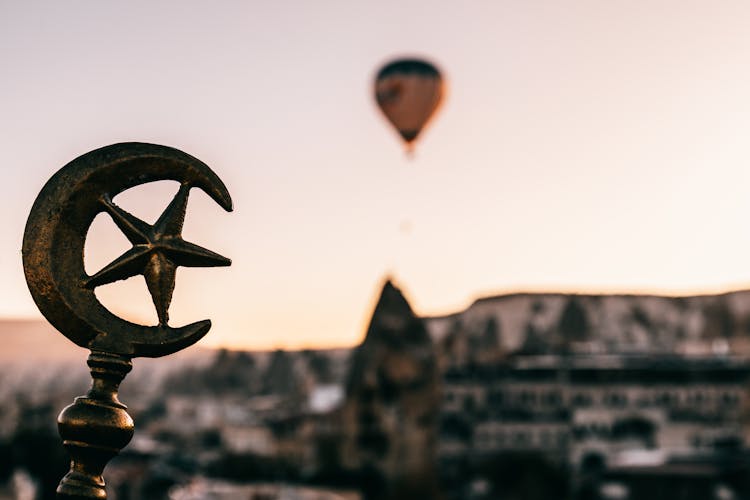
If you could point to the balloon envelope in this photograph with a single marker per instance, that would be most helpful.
(408, 91)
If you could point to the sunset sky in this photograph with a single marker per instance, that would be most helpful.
(583, 146)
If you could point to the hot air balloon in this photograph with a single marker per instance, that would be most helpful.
(408, 91)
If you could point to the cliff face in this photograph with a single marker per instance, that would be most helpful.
(616, 324)
(392, 403)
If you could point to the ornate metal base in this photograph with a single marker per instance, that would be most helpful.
(95, 428)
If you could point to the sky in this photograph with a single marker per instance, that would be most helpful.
(583, 146)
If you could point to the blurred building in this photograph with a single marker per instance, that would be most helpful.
(202, 489)
(620, 392)
(595, 411)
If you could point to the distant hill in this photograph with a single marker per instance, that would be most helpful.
(621, 324)
(35, 341)
(35, 355)
(40, 351)
(28, 341)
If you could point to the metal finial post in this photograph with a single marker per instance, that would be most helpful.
(97, 426)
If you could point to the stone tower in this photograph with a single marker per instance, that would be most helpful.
(390, 417)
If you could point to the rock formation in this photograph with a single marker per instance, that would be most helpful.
(554, 323)
(392, 405)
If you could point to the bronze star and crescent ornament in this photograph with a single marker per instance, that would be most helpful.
(56, 232)
(96, 426)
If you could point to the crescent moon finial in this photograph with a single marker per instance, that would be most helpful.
(55, 236)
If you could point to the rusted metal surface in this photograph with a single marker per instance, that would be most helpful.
(97, 426)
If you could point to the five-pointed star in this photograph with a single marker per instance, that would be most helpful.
(157, 252)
